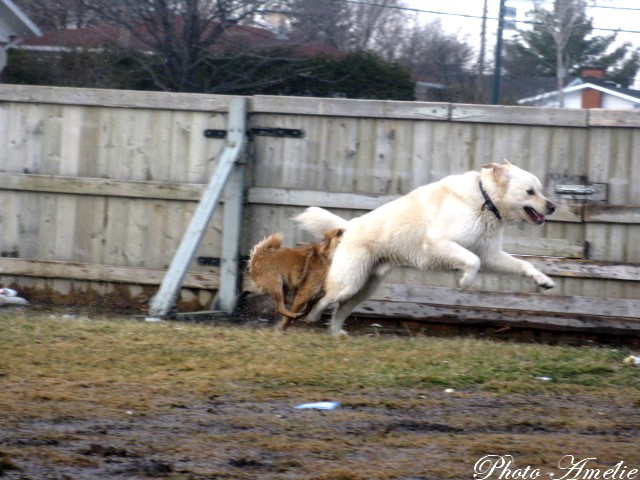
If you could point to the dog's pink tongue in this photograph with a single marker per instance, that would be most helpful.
(537, 217)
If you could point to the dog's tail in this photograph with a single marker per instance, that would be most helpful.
(317, 220)
(272, 242)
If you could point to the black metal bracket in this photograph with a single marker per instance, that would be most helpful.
(277, 132)
(259, 131)
(210, 133)
(215, 261)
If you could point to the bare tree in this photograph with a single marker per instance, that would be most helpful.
(179, 36)
(439, 56)
(349, 26)
(560, 24)
(56, 14)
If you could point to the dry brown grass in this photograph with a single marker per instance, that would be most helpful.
(222, 397)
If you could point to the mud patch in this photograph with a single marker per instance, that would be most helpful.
(378, 434)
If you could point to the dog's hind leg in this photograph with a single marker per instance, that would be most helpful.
(302, 303)
(277, 293)
(344, 308)
(349, 272)
(319, 307)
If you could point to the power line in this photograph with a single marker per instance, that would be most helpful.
(465, 15)
(410, 9)
(600, 6)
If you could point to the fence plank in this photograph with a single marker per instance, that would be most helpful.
(114, 98)
(206, 280)
(601, 117)
(612, 214)
(306, 198)
(101, 187)
(339, 107)
(551, 247)
(519, 115)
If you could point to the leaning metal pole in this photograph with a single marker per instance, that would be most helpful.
(163, 301)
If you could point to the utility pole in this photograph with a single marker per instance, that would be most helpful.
(495, 98)
(483, 41)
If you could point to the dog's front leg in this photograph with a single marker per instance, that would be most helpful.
(503, 262)
(455, 256)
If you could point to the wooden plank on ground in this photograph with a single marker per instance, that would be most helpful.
(206, 280)
(469, 316)
(576, 268)
(576, 305)
(101, 187)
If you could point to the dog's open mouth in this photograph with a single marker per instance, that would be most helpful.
(534, 215)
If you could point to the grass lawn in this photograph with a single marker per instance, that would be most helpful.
(122, 398)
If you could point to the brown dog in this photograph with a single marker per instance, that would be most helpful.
(301, 269)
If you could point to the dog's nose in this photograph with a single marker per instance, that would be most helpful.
(550, 208)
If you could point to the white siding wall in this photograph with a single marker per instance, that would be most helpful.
(617, 103)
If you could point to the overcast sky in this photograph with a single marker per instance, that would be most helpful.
(610, 18)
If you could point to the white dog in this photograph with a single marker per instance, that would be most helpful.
(455, 223)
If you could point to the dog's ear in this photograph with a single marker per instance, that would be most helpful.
(496, 167)
(500, 171)
(493, 166)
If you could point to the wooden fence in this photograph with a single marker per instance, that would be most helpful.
(98, 186)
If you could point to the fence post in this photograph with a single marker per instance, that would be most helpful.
(227, 296)
(163, 301)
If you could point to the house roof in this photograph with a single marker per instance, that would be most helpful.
(603, 86)
(14, 23)
(109, 35)
(100, 36)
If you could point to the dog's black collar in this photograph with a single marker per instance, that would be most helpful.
(488, 204)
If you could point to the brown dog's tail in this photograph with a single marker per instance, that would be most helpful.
(270, 243)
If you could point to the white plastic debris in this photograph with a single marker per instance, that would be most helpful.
(545, 379)
(318, 406)
(9, 296)
(632, 360)
(449, 390)
(152, 319)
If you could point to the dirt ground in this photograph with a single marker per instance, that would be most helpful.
(375, 433)
(394, 434)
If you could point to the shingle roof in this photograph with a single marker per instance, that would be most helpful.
(589, 82)
(107, 35)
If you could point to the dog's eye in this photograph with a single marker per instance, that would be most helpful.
(531, 191)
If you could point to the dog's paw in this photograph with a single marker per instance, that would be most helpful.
(469, 272)
(466, 281)
(545, 282)
(339, 333)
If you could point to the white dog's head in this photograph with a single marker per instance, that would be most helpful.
(516, 193)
